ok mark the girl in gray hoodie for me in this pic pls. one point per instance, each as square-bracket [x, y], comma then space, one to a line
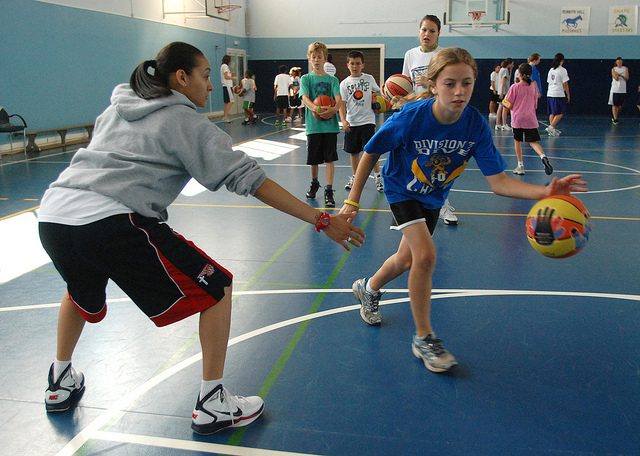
[104, 218]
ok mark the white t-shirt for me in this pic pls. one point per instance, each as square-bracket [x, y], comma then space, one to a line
[493, 81]
[282, 82]
[356, 92]
[619, 86]
[555, 79]
[502, 85]
[249, 85]
[224, 68]
[330, 68]
[416, 63]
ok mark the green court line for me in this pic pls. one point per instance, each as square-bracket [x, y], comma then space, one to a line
[280, 364]
[254, 278]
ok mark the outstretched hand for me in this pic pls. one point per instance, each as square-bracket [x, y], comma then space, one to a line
[566, 185]
[344, 232]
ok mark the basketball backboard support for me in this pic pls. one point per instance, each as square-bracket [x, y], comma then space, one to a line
[496, 13]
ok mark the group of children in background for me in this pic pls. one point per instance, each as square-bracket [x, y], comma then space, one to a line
[519, 99]
[286, 95]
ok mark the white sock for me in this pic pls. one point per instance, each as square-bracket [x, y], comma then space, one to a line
[368, 287]
[207, 386]
[376, 174]
[58, 368]
[542, 156]
[521, 163]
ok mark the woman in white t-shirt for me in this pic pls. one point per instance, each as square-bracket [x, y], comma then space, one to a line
[558, 95]
[617, 95]
[227, 87]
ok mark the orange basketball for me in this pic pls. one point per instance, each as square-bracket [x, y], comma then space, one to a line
[323, 100]
[397, 85]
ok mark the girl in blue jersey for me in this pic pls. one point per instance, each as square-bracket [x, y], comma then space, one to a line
[430, 141]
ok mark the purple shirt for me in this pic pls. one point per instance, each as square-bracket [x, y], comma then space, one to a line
[523, 99]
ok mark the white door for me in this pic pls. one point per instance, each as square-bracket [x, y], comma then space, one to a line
[237, 65]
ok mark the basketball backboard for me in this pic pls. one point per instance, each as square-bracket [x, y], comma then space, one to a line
[457, 13]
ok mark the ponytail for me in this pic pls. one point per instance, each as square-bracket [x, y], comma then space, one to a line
[171, 58]
[525, 71]
[147, 85]
[557, 60]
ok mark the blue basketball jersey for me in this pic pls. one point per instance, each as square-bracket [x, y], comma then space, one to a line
[425, 157]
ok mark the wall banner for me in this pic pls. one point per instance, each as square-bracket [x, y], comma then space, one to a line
[623, 20]
[574, 20]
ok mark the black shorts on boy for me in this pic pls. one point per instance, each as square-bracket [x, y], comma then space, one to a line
[356, 138]
[164, 274]
[282, 101]
[322, 148]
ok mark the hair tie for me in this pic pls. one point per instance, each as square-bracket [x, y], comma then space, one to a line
[151, 64]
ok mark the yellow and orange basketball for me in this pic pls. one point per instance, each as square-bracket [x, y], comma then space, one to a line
[381, 104]
[397, 85]
[558, 226]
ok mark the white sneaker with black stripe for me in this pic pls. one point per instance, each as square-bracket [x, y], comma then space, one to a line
[447, 213]
[65, 391]
[219, 410]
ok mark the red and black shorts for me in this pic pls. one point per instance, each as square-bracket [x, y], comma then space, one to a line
[164, 274]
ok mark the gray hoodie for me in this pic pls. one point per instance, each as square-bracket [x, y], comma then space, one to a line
[143, 153]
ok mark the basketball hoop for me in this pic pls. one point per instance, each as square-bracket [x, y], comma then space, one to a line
[476, 18]
[227, 8]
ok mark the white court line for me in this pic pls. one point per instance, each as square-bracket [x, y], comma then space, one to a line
[93, 429]
[189, 445]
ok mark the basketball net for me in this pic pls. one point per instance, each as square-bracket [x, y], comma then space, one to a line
[227, 8]
[476, 18]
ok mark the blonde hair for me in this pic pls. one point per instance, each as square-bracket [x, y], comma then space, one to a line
[443, 58]
[317, 46]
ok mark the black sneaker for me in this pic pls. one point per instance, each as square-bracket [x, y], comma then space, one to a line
[548, 169]
[65, 391]
[328, 198]
[315, 185]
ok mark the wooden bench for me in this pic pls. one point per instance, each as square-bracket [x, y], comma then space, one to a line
[62, 132]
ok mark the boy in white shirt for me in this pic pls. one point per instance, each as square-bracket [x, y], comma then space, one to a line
[359, 123]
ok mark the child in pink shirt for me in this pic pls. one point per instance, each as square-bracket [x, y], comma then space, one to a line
[522, 101]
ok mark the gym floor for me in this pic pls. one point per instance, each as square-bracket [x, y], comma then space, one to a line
[549, 350]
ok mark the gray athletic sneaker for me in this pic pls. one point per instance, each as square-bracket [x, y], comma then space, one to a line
[369, 302]
[433, 354]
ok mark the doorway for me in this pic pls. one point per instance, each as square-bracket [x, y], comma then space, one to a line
[237, 65]
[373, 58]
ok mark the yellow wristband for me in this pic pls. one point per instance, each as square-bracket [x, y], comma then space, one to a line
[352, 203]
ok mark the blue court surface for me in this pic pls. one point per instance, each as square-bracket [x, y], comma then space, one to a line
[549, 350]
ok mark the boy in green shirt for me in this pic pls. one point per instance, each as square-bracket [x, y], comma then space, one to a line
[321, 121]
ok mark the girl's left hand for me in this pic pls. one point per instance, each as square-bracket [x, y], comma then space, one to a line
[566, 185]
